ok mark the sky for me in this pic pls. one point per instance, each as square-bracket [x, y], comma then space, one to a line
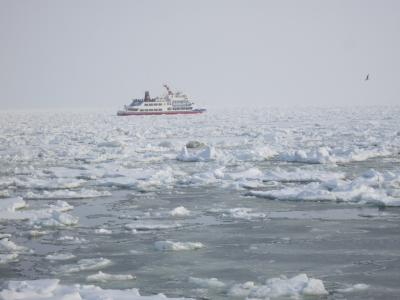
[72, 54]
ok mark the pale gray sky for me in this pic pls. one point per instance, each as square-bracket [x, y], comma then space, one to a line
[91, 54]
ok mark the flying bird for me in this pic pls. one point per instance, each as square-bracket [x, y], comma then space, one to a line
[367, 78]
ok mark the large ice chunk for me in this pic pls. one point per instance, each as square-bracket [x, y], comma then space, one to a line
[280, 287]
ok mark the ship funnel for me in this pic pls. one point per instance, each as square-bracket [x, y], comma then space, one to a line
[146, 96]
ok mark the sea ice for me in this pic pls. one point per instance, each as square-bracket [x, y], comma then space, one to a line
[60, 256]
[210, 283]
[253, 173]
[61, 206]
[301, 175]
[51, 216]
[179, 211]
[67, 194]
[103, 231]
[9, 246]
[4, 193]
[369, 188]
[72, 239]
[147, 226]
[209, 153]
[49, 184]
[51, 289]
[354, 288]
[323, 155]
[177, 246]
[280, 287]
[86, 264]
[36, 233]
[243, 213]
[104, 277]
[10, 205]
[54, 218]
[6, 258]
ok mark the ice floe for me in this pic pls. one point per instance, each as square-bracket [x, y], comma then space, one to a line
[53, 215]
[37, 233]
[86, 264]
[300, 175]
[322, 155]
[49, 183]
[252, 173]
[143, 180]
[51, 289]
[72, 239]
[210, 283]
[9, 206]
[104, 277]
[4, 193]
[366, 189]
[177, 246]
[353, 288]
[67, 194]
[61, 206]
[7, 258]
[150, 225]
[209, 153]
[300, 285]
[243, 213]
[60, 256]
[6, 245]
[54, 218]
[103, 231]
[179, 211]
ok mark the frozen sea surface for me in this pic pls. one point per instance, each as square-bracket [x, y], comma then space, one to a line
[256, 204]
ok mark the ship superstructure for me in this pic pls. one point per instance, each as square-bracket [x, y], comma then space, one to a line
[170, 103]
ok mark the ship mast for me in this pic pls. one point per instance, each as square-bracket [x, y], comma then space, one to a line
[168, 89]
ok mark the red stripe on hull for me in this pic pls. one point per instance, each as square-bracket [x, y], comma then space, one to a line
[125, 113]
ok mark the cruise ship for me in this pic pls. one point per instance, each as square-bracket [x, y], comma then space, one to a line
[169, 104]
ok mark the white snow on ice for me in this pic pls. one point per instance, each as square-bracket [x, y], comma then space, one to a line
[177, 246]
[104, 277]
[51, 289]
[296, 286]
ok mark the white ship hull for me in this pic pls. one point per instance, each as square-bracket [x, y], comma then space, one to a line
[139, 113]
